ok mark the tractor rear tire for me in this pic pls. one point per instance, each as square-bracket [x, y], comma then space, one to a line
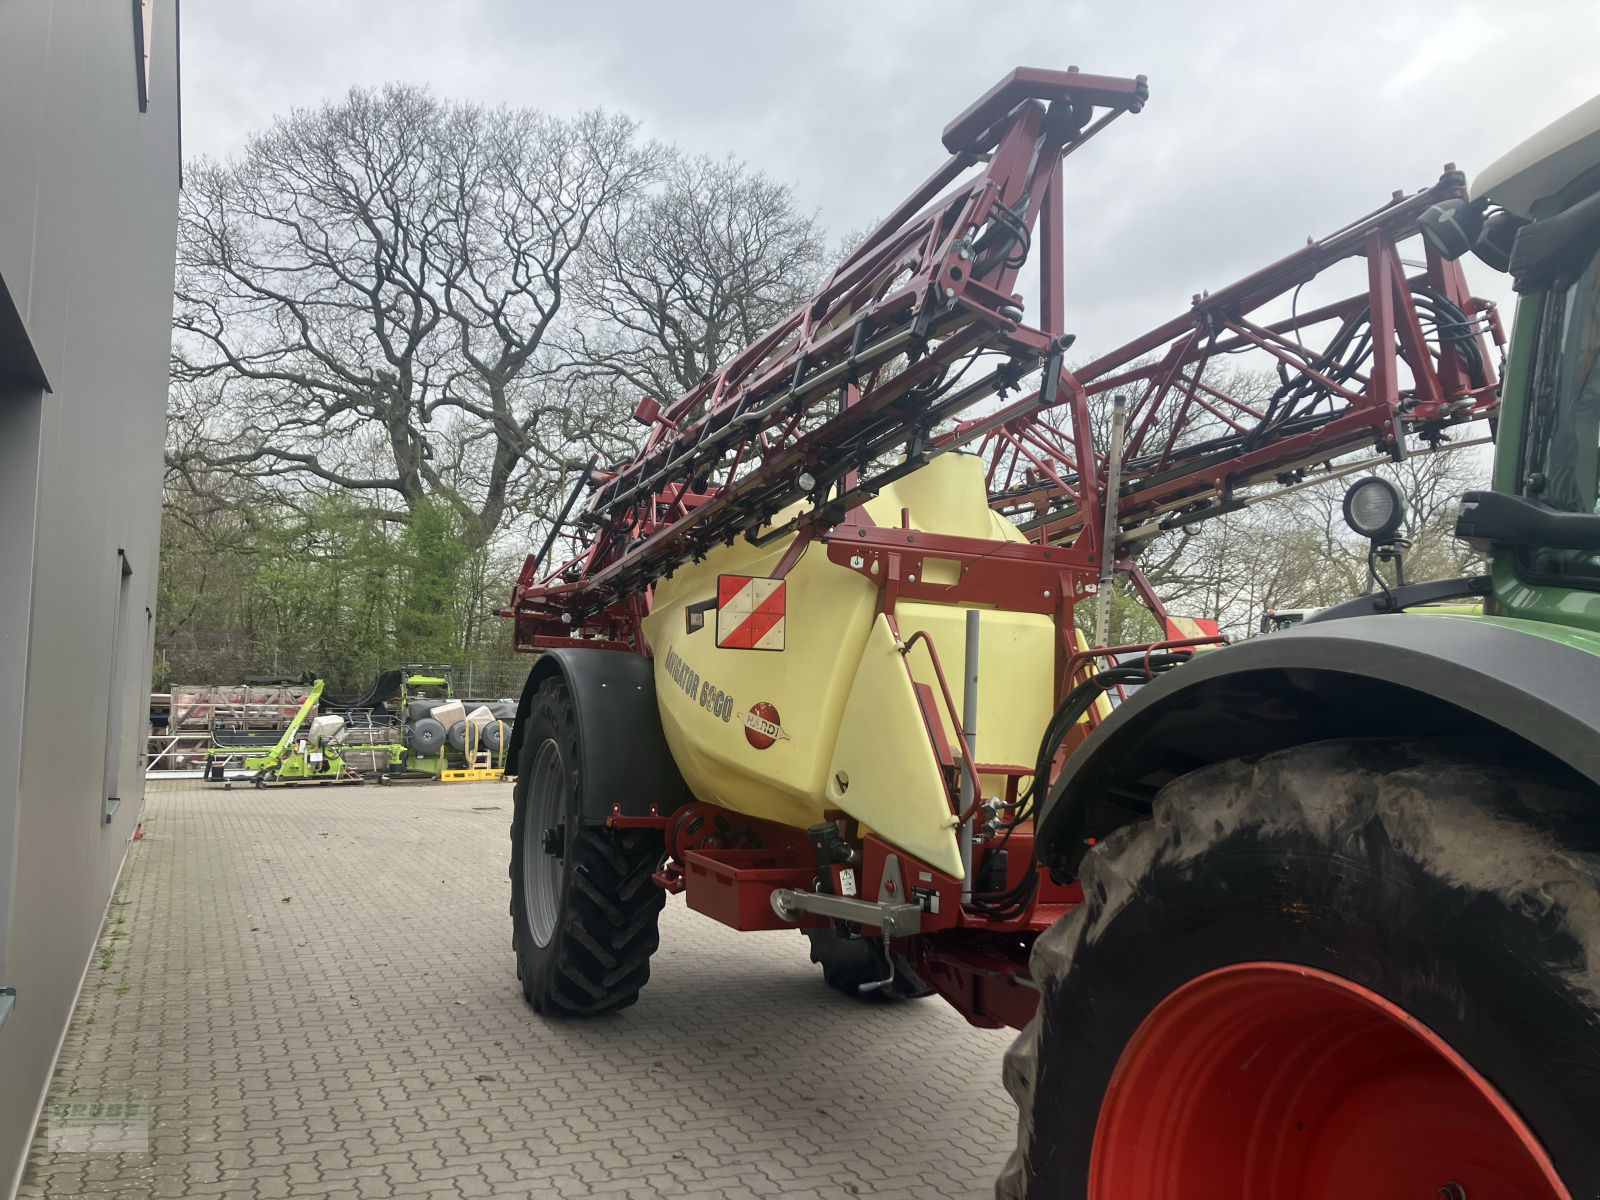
[850, 963]
[583, 906]
[1363, 967]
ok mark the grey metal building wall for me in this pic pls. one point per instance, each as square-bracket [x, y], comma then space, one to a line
[88, 212]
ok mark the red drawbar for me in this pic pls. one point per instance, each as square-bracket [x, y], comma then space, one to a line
[1270, 1081]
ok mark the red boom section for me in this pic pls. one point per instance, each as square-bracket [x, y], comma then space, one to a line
[870, 365]
[915, 346]
[1408, 354]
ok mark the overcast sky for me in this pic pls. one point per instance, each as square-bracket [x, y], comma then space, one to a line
[1267, 122]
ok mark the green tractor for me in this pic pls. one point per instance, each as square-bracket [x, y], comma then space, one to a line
[1340, 933]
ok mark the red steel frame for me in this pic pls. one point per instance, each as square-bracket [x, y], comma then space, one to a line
[812, 398]
[809, 412]
[1413, 384]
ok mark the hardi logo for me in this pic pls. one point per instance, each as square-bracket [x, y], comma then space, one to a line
[761, 726]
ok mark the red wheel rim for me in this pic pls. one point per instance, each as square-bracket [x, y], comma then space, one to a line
[1269, 1081]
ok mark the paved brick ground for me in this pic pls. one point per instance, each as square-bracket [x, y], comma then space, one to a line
[314, 991]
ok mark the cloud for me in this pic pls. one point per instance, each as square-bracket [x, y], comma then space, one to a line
[1268, 122]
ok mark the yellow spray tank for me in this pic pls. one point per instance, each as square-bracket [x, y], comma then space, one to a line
[831, 721]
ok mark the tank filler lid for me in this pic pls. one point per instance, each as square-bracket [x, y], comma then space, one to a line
[1545, 163]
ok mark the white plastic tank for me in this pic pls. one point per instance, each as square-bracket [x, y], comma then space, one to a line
[325, 728]
[449, 712]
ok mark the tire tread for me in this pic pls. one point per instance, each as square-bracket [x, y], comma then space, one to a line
[608, 927]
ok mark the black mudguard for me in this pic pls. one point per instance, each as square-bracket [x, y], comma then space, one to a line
[625, 756]
[1391, 676]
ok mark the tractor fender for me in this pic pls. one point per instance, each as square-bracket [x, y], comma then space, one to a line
[1399, 675]
[625, 756]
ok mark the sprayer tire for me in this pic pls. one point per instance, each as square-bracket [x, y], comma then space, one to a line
[1424, 882]
[584, 922]
[847, 963]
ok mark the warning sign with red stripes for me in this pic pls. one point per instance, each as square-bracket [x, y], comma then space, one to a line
[1179, 628]
[749, 612]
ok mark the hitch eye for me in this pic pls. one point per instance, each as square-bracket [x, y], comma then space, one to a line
[554, 841]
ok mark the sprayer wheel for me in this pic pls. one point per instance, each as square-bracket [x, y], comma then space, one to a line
[583, 906]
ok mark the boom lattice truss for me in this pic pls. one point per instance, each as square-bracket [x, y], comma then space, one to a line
[916, 346]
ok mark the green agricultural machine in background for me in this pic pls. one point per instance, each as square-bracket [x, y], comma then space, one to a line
[408, 724]
[321, 755]
[424, 687]
[444, 738]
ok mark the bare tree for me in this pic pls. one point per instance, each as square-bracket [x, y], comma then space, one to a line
[364, 300]
[684, 275]
[1296, 551]
[1290, 551]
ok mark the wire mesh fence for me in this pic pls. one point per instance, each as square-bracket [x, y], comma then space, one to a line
[478, 678]
[492, 679]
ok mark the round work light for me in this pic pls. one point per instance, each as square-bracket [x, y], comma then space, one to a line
[1374, 508]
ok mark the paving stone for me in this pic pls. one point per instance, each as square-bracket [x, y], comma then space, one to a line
[330, 1044]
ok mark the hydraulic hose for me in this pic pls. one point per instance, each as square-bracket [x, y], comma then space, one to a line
[1013, 901]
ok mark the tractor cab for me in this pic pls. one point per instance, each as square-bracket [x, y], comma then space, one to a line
[1535, 212]
[1275, 619]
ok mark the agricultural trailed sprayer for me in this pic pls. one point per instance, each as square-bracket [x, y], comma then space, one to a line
[1316, 914]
